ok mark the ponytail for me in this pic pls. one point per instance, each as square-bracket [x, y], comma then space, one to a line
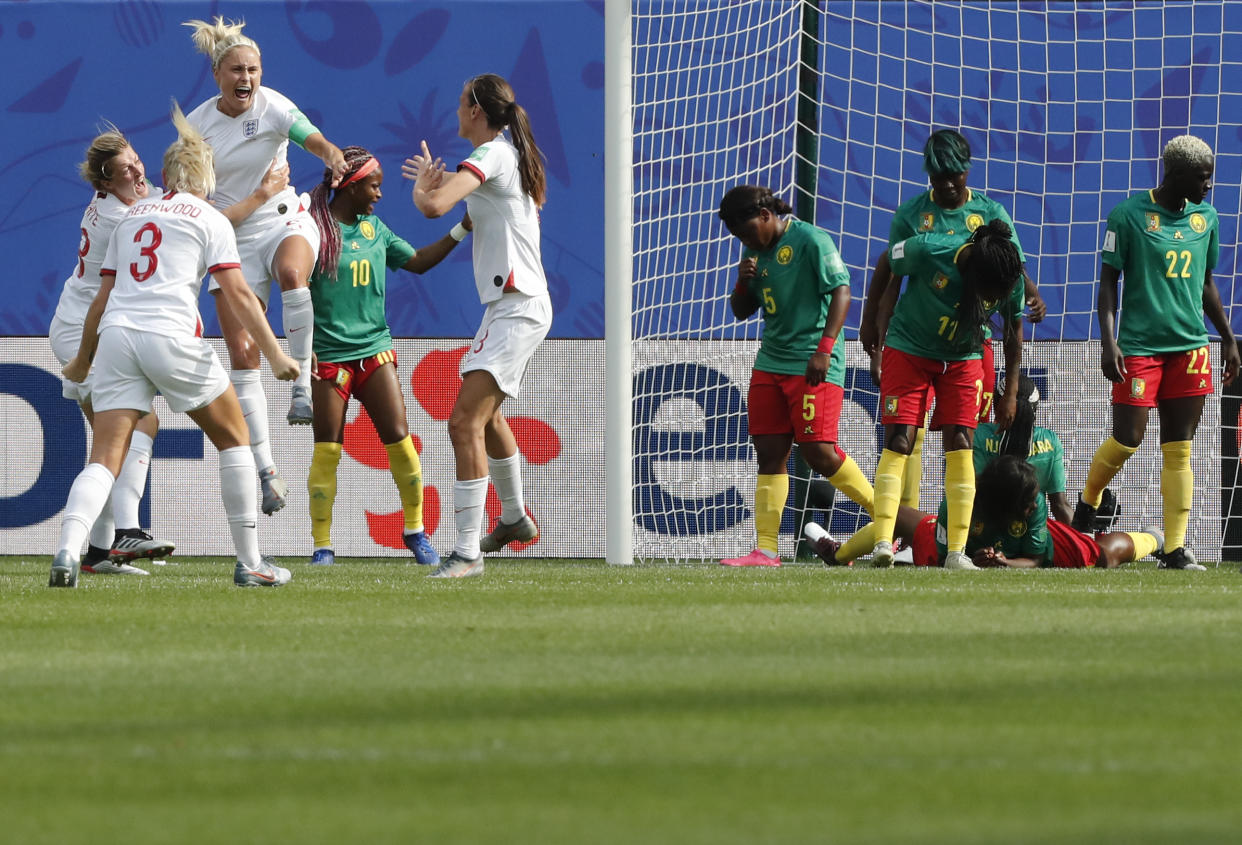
[989, 270]
[1017, 439]
[495, 97]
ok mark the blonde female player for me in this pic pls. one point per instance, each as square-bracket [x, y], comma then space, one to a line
[115, 171]
[143, 331]
[1165, 241]
[249, 128]
[504, 186]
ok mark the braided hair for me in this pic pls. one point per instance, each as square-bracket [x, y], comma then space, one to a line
[329, 232]
[495, 97]
[1005, 489]
[746, 201]
[989, 270]
[1017, 439]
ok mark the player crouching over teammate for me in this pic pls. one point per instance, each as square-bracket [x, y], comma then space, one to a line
[145, 324]
[1009, 527]
[792, 271]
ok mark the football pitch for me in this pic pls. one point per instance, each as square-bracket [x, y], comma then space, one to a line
[572, 702]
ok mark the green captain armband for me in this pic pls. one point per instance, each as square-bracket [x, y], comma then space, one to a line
[301, 129]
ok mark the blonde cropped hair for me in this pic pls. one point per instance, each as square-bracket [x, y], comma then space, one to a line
[106, 146]
[1187, 152]
[215, 40]
[189, 163]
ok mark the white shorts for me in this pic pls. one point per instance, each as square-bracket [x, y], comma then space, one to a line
[513, 327]
[258, 251]
[65, 337]
[130, 366]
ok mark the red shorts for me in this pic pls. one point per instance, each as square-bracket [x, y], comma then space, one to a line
[778, 404]
[904, 390]
[1151, 378]
[348, 377]
[923, 544]
[1072, 549]
[988, 361]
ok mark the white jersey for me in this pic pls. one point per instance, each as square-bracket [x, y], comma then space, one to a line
[159, 253]
[98, 221]
[245, 148]
[506, 224]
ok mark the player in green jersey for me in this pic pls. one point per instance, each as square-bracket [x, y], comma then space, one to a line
[935, 342]
[950, 207]
[792, 274]
[353, 347]
[1165, 243]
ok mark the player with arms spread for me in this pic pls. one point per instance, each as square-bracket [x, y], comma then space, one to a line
[1164, 242]
[792, 274]
[145, 326]
[504, 186]
[353, 345]
[935, 341]
[249, 126]
[116, 172]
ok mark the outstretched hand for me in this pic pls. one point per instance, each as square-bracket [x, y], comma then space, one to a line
[423, 170]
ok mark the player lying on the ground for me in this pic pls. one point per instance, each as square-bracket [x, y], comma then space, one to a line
[1010, 527]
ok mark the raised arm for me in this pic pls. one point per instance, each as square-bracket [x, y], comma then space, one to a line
[435, 191]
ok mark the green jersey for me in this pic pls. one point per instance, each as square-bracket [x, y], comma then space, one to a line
[350, 323]
[793, 283]
[1047, 456]
[920, 214]
[925, 321]
[1020, 538]
[1164, 258]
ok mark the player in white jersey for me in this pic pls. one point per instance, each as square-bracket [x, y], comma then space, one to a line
[504, 186]
[116, 173]
[249, 128]
[144, 333]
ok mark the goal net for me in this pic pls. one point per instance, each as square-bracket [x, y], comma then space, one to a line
[1066, 107]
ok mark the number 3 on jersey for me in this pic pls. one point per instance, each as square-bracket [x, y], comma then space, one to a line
[156, 237]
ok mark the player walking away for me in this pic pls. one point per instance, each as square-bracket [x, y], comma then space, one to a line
[504, 186]
[792, 274]
[1010, 527]
[949, 208]
[353, 346]
[935, 341]
[117, 174]
[249, 127]
[144, 332]
[1165, 242]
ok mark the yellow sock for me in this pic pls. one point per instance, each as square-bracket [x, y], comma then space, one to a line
[1177, 487]
[321, 490]
[407, 471]
[959, 494]
[1107, 462]
[887, 493]
[771, 491]
[912, 478]
[1144, 544]
[850, 481]
[860, 545]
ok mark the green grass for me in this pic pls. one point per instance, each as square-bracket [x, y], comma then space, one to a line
[572, 702]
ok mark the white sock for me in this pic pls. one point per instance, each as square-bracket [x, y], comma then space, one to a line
[127, 491]
[103, 532]
[254, 408]
[469, 499]
[299, 320]
[87, 498]
[237, 472]
[507, 476]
